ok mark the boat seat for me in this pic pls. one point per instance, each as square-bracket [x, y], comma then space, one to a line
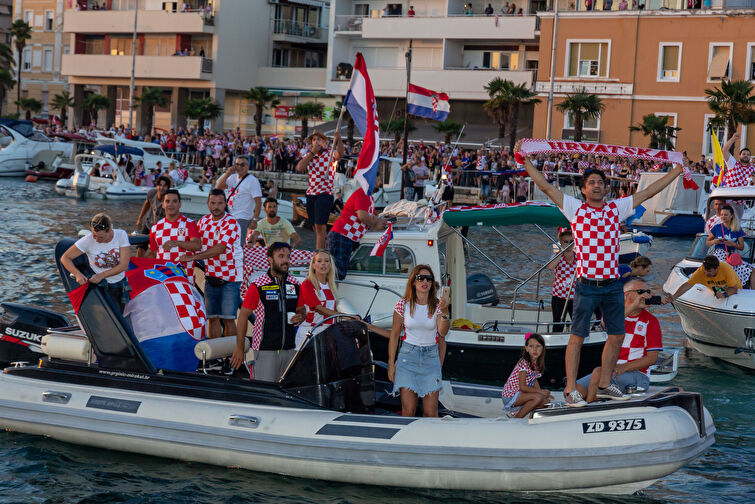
[67, 346]
[220, 348]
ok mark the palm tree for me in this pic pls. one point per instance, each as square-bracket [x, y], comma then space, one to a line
[581, 106]
[349, 121]
[202, 109]
[497, 106]
[63, 101]
[516, 97]
[733, 103]
[29, 105]
[395, 127]
[20, 31]
[658, 129]
[7, 60]
[150, 98]
[93, 103]
[6, 83]
[449, 129]
[304, 112]
[260, 96]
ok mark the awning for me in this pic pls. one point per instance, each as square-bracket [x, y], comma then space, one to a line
[719, 64]
[502, 214]
[116, 150]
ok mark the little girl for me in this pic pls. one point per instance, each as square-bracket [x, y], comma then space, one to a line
[522, 390]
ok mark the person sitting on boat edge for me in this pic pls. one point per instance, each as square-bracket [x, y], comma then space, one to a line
[639, 267]
[639, 350]
[358, 214]
[109, 252]
[273, 298]
[562, 295]
[416, 373]
[522, 393]
[596, 228]
[717, 275]
[727, 238]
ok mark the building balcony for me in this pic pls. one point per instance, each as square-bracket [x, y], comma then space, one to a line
[148, 21]
[147, 67]
[451, 27]
[460, 84]
[292, 78]
[292, 31]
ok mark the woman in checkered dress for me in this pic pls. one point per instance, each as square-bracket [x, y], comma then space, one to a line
[727, 238]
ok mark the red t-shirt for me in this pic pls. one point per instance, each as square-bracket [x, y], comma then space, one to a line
[181, 229]
[642, 335]
[348, 224]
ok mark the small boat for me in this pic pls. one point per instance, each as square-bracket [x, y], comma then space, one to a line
[98, 175]
[673, 211]
[54, 164]
[194, 201]
[327, 418]
[20, 142]
[151, 152]
[720, 328]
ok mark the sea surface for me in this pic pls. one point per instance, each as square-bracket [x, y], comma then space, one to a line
[39, 470]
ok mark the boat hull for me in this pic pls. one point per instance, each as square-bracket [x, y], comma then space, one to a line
[59, 173]
[675, 225]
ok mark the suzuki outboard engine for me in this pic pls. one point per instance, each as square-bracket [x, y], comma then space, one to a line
[80, 183]
[334, 369]
[21, 331]
[481, 290]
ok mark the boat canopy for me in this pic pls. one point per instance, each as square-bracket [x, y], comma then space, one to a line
[26, 128]
[506, 214]
[115, 150]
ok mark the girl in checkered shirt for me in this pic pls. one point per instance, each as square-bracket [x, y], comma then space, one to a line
[522, 392]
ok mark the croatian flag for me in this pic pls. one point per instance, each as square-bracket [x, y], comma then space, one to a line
[379, 248]
[360, 102]
[427, 103]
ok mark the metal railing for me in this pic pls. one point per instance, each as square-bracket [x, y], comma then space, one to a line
[206, 65]
[348, 23]
[297, 29]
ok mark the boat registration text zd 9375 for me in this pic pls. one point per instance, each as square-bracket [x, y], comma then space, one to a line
[613, 425]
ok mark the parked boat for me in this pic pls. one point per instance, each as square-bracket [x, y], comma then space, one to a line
[55, 164]
[721, 328]
[20, 142]
[324, 419]
[151, 152]
[673, 211]
[194, 201]
[99, 176]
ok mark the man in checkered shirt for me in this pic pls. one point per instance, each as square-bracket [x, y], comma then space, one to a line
[596, 227]
[738, 173]
[221, 250]
[171, 237]
[320, 190]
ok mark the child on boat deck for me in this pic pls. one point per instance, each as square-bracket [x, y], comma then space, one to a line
[522, 390]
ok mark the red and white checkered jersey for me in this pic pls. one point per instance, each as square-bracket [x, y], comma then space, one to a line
[311, 299]
[320, 177]
[181, 229]
[252, 302]
[420, 329]
[255, 261]
[711, 222]
[348, 224]
[229, 264]
[564, 275]
[512, 384]
[642, 335]
[596, 235]
[737, 174]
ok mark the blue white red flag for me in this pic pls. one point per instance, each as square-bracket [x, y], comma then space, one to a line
[427, 103]
[382, 243]
[360, 102]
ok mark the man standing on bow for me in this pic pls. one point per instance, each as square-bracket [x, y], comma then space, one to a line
[738, 173]
[244, 194]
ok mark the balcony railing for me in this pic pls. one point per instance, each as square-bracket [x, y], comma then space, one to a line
[297, 29]
[351, 23]
[206, 65]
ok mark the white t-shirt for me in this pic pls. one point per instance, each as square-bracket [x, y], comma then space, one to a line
[241, 201]
[419, 329]
[104, 256]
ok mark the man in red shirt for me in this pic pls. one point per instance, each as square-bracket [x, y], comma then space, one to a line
[171, 237]
[639, 350]
[738, 173]
[358, 214]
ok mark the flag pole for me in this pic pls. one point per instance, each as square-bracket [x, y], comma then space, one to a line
[408, 57]
[442, 184]
[338, 123]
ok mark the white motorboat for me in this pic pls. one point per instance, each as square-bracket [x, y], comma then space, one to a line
[54, 164]
[194, 201]
[673, 211]
[20, 143]
[326, 418]
[721, 328]
[151, 152]
[99, 176]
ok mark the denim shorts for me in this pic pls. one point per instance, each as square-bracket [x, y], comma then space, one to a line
[636, 379]
[508, 402]
[418, 369]
[222, 302]
[610, 300]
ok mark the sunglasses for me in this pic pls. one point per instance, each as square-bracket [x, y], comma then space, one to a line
[424, 278]
[99, 226]
[239, 164]
[641, 291]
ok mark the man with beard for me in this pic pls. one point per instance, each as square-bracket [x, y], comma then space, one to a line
[272, 298]
[174, 235]
[221, 251]
[275, 228]
[737, 172]
[152, 210]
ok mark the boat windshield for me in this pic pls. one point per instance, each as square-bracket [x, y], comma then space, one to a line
[154, 151]
[699, 249]
[6, 137]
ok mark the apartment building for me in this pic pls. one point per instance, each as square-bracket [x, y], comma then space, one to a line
[41, 58]
[6, 19]
[453, 50]
[193, 49]
[655, 61]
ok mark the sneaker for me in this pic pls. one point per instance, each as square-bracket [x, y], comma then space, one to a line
[611, 392]
[574, 399]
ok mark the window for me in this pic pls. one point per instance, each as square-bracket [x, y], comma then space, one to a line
[588, 59]
[671, 122]
[49, 20]
[589, 124]
[36, 59]
[750, 64]
[363, 262]
[29, 17]
[707, 140]
[45, 101]
[47, 60]
[120, 46]
[27, 58]
[669, 61]
[362, 9]
[397, 260]
[719, 62]
[379, 57]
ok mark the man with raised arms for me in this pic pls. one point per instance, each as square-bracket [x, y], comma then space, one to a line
[595, 225]
[738, 173]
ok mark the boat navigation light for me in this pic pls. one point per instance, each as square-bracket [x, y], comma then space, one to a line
[430, 243]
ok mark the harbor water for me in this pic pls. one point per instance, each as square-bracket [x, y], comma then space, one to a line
[38, 470]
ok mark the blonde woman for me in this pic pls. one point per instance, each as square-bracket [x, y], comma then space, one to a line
[727, 237]
[417, 371]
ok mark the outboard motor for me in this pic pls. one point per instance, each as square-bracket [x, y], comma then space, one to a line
[481, 290]
[334, 369]
[21, 331]
[81, 183]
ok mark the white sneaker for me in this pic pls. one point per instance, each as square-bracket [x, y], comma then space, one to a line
[574, 399]
[612, 392]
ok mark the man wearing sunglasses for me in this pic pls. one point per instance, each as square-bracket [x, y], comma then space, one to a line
[639, 350]
[244, 195]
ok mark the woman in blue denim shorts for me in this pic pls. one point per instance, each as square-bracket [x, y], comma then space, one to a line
[424, 318]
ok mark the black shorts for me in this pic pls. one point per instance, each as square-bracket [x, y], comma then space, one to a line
[145, 231]
[318, 208]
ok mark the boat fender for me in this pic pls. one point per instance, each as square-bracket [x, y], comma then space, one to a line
[643, 238]
[66, 347]
[217, 348]
[31, 178]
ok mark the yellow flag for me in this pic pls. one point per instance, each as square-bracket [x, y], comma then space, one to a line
[718, 159]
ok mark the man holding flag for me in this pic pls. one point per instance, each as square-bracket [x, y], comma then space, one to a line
[359, 211]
